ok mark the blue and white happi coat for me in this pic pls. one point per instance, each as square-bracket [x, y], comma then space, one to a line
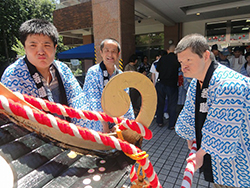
[226, 131]
[93, 89]
[18, 79]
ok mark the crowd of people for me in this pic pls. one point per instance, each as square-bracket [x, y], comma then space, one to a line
[170, 85]
[215, 102]
[236, 58]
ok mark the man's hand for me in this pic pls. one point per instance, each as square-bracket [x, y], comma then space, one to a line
[190, 143]
[197, 158]
[105, 127]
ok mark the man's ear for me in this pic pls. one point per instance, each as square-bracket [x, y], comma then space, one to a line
[206, 55]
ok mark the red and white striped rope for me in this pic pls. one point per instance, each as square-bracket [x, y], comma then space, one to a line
[189, 171]
[69, 128]
[80, 114]
[133, 175]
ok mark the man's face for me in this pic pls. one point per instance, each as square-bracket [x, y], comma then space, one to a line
[109, 53]
[222, 57]
[40, 51]
[248, 59]
[237, 54]
[192, 65]
[216, 52]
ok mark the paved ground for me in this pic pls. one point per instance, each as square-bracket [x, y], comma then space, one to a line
[167, 152]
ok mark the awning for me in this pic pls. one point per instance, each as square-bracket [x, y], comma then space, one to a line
[81, 52]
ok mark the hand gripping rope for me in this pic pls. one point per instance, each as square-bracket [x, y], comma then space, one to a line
[189, 171]
[65, 127]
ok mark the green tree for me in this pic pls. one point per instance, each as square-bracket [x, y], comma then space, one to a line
[9, 23]
[18, 48]
[60, 46]
[38, 9]
[13, 13]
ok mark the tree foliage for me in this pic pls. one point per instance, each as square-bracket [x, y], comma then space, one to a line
[150, 39]
[13, 13]
[60, 46]
[18, 48]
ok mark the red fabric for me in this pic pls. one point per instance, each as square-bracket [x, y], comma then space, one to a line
[180, 80]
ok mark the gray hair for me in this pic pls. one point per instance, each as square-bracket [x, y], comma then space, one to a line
[110, 39]
[196, 42]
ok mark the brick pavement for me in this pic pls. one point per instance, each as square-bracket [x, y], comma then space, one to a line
[167, 152]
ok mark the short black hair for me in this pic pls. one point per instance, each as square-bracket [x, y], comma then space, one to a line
[38, 26]
[247, 54]
[133, 58]
[214, 47]
[237, 48]
[143, 57]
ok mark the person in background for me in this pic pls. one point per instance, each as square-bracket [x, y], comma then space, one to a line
[144, 67]
[237, 60]
[215, 51]
[131, 66]
[223, 57]
[157, 57]
[245, 69]
[133, 93]
[215, 115]
[247, 49]
[183, 84]
[97, 78]
[38, 74]
[167, 67]
[153, 71]
[230, 52]
[155, 75]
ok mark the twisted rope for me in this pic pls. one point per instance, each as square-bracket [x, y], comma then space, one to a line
[80, 114]
[189, 170]
[69, 128]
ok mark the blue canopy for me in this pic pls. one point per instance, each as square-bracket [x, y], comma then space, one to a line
[81, 52]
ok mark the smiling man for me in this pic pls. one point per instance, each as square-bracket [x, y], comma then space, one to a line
[37, 73]
[216, 115]
[96, 79]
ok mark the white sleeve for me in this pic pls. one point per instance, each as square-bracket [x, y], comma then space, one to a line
[152, 69]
